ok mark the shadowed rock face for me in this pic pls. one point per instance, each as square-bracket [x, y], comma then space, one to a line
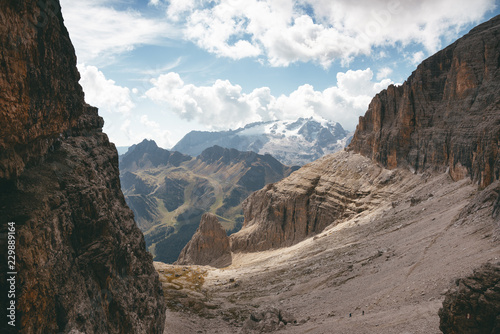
[36, 58]
[208, 246]
[473, 304]
[446, 114]
[81, 260]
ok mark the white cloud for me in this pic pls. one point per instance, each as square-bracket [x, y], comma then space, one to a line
[287, 31]
[99, 32]
[417, 57]
[383, 73]
[223, 105]
[150, 124]
[104, 93]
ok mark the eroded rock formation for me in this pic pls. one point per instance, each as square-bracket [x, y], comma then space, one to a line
[81, 260]
[472, 305]
[328, 190]
[446, 114]
[208, 246]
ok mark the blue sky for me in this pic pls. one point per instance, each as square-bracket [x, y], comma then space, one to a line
[158, 69]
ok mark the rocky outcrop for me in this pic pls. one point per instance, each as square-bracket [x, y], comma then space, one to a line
[208, 246]
[472, 305]
[81, 262]
[319, 194]
[446, 114]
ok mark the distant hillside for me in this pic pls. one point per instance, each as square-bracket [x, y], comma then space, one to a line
[169, 191]
[291, 142]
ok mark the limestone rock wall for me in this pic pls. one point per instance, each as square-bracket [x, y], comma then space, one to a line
[445, 115]
[324, 192]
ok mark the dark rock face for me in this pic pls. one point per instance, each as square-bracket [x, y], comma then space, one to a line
[208, 246]
[473, 304]
[33, 115]
[81, 260]
[446, 115]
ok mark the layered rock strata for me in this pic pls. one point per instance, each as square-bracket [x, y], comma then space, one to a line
[81, 260]
[208, 246]
[446, 115]
[330, 190]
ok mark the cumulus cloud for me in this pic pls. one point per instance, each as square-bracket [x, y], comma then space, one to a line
[383, 73]
[99, 32]
[287, 31]
[154, 131]
[223, 105]
[104, 93]
[417, 57]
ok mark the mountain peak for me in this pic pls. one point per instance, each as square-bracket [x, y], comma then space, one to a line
[147, 154]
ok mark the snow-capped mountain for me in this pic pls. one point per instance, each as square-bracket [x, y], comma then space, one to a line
[291, 142]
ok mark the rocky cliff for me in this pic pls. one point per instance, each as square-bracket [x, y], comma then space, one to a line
[446, 114]
[81, 260]
[472, 305]
[208, 246]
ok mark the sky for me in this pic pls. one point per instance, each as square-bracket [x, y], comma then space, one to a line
[158, 69]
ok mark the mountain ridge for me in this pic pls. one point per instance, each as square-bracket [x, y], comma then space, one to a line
[291, 142]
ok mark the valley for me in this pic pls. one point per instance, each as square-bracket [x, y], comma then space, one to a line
[393, 261]
[169, 191]
[396, 233]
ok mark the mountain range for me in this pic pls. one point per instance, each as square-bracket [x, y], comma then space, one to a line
[399, 233]
[291, 142]
[169, 191]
